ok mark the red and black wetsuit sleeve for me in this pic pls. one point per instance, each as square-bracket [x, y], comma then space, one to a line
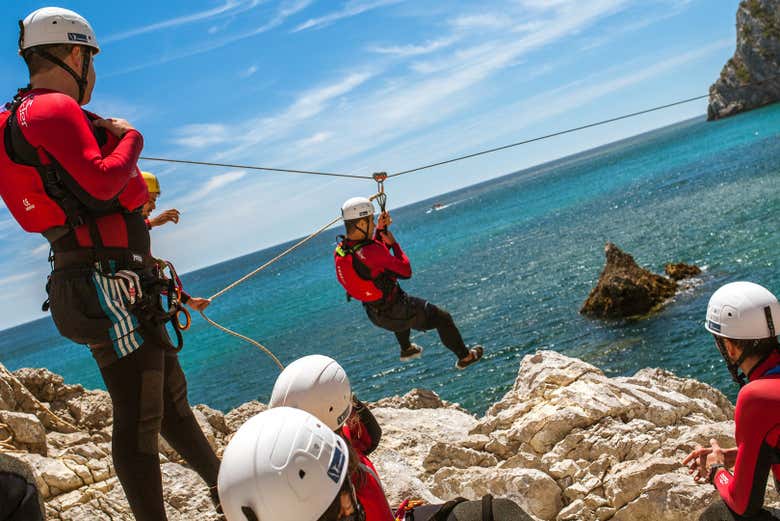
[378, 258]
[365, 432]
[55, 123]
[757, 433]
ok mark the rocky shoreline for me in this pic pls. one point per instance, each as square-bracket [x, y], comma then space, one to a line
[566, 442]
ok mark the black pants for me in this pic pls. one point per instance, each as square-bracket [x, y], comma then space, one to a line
[719, 511]
[149, 395]
[18, 499]
[405, 313]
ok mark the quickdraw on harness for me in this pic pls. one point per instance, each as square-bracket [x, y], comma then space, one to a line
[405, 507]
[174, 294]
[140, 290]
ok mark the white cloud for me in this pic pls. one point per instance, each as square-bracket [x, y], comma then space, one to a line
[316, 139]
[250, 71]
[212, 185]
[413, 50]
[350, 9]
[277, 127]
[229, 7]
[12, 279]
[40, 250]
[202, 135]
[107, 107]
[481, 21]
[287, 8]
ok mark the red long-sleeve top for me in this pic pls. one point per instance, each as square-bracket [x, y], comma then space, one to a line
[379, 259]
[757, 433]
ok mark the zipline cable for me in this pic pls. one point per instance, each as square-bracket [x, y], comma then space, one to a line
[547, 136]
[461, 158]
[576, 129]
[250, 167]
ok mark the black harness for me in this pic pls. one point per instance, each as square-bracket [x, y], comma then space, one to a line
[383, 281]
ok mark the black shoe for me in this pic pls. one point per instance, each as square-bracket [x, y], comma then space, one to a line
[475, 353]
[411, 352]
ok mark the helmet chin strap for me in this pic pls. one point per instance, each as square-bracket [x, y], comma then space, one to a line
[364, 231]
[82, 80]
[733, 367]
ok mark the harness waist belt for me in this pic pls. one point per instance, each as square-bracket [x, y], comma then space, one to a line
[86, 258]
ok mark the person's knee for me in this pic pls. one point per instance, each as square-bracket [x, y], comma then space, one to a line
[439, 317]
[176, 392]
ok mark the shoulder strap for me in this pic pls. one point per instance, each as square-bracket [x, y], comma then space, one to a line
[487, 507]
[446, 509]
[17, 147]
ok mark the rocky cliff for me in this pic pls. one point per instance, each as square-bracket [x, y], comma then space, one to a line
[751, 78]
[566, 442]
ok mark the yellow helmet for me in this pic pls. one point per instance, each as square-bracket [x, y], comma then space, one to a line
[151, 182]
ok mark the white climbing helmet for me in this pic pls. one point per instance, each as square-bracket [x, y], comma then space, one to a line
[55, 25]
[357, 208]
[743, 311]
[318, 385]
[282, 465]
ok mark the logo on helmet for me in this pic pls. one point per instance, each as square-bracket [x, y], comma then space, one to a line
[714, 326]
[343, 415]
[336, 464]
[78, 37]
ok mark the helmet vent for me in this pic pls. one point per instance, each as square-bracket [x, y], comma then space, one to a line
[330, 409]
[301, 473]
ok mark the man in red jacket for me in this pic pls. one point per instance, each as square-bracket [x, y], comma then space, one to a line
[743, 317]
[72, 176]
[369, 272]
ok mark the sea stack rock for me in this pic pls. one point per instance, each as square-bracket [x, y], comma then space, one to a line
[625, 289]
[681, 271]
[751, 78]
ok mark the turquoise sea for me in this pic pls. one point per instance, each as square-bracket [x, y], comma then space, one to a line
[512, 259]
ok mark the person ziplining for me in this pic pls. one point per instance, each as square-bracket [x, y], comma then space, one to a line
[369, 261]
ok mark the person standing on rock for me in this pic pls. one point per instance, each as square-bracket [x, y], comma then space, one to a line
[369, 273]
[744, 317]
[319, 385]
[72, 176]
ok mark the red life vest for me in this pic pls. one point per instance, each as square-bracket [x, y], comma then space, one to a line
[40, 194]
[356, 277]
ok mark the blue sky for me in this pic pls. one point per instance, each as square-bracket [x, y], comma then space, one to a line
[357, 86]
